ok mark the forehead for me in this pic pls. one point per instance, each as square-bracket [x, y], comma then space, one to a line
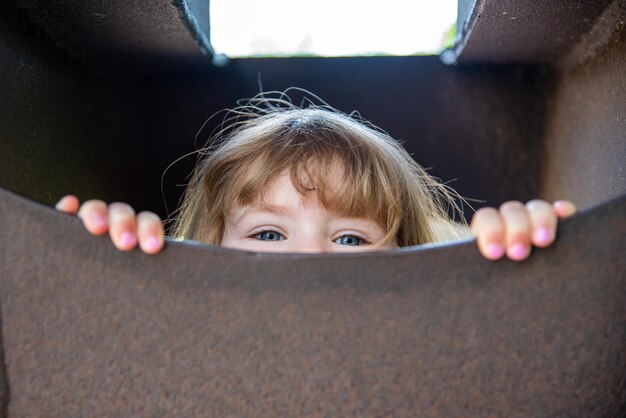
[282, 199]
[281, 191]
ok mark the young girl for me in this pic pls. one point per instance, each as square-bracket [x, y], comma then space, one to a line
[288, 179]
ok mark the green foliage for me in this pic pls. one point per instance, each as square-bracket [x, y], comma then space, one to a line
[449, 37]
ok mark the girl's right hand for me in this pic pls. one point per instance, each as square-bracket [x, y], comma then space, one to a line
[125, 228]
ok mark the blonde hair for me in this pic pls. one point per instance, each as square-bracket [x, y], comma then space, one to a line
[352, 166]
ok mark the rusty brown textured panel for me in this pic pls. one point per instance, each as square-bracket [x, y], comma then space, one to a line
[584, 145]
[116, 35]
[497, 31]
[4, 388]
[200, 331]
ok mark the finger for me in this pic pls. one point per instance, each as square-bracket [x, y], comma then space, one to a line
[150, 232]
[518, 230]
[95, 214]
[564, 208]
[68, 204]
[488, 228]
[543, 222]
[123, 226]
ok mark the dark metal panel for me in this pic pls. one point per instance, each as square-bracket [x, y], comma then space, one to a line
[584, 144]
[199, 331]
[117, 35]
[522, 31]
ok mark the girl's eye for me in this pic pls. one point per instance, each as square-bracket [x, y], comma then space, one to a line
[348, 240]
[269, 236]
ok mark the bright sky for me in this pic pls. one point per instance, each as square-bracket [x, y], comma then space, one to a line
[330, 27]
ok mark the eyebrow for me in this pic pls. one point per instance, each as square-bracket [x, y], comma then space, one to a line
[264, 207]
[268, 207]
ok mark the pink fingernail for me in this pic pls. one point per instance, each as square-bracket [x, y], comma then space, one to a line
[494, 251]
[127, 239]
[542, 235]
[152, 243]
[99, 221]
[518, 252]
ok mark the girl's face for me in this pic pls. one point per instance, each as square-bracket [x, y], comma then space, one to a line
[287, 221]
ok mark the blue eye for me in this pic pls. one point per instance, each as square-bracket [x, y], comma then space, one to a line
[269, 236]
[348, 240]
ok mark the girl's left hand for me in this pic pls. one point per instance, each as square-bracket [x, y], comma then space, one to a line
[515, 227]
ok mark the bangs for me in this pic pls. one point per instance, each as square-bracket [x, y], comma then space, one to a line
[347, 177]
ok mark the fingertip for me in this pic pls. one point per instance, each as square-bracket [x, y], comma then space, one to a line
[151, 245]
[96, 223]
[542, 236]
[150, 232]
[518, 252]
[126, 242]
[564, 208]
[488, 228]
[493, 251]
[68, 204]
